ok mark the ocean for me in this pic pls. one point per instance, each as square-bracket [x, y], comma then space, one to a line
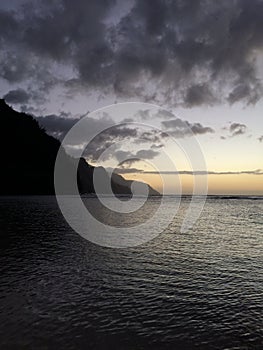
[201, 289]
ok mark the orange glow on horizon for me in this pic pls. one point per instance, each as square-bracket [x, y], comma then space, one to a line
[217, 184]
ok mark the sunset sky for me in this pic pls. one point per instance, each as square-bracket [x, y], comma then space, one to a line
[200, 62]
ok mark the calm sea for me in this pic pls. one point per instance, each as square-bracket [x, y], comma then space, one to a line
[197, 290]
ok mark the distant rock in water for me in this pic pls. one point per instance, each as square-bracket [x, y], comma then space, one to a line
[28, 156]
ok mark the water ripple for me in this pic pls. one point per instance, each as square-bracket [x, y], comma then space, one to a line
[199, 290]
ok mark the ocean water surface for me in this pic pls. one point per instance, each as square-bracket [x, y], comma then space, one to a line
[197, 290]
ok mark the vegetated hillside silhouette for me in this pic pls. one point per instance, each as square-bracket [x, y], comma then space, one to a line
[28, 156]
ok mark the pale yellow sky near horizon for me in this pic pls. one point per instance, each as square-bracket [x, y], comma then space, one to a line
[242, 184]
[221, 150]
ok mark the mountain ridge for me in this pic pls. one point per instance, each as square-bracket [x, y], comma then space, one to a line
[29, 155]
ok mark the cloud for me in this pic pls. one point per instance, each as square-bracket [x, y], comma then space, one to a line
[17, 96]
[237, 129]
[152, 136]
[145, 114]
[199, 94]
[8, 25]
[16, 65]
[188, 53]
[123, 170]
[180, 128]
[188, 172]
[243, 91]
[121, 155]
[112, 139]
[146, 154]
[127, 158]
[234, 129]
[260, 138]
[56, 125]
[157, 146]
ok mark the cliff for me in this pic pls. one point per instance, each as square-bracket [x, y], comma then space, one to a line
[28, 156]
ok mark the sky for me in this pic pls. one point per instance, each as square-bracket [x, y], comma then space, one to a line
[199, 63]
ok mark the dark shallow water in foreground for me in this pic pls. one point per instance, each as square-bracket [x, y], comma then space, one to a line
[198, 290]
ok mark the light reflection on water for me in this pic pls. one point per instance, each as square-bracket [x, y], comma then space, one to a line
[198, 290]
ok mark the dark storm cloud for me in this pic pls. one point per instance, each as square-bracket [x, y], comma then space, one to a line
[199, 94]
[61, 124]
[8, 25]
[195, 44]
[15, 67]
[239, 92]
[17, 96]
[57, 125]
[178, 52]
[180, 128]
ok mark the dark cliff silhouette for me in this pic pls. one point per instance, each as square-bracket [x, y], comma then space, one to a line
[28, 156]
